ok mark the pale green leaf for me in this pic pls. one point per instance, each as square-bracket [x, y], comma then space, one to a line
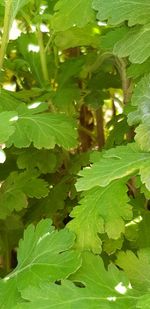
[135, 44]
[143, 134]
[44, 130]
[17, 5]
[99, 212]
[135, 11]
[141, 94]
[137, 268]
[7, 127]
[145, 175]
[114, 164]
[110, 246]
[71, 13]
[141, 101]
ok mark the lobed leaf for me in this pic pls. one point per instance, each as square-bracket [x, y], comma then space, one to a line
[44, 130]
[15, 190]
[71, 13]
[99, 212]
[116, 163]
[135, 44]
[99, 289]
[43, 256]
[116, 12]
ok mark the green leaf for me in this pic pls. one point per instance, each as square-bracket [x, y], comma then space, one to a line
[112, 37]
[110, 246]
[43, 255]
[9, 295]
[65, 97]
[99, 289]
[28, 46]
[99, 212]
[135, 11]
[137, 268]
[44, 130]
[143, 134]
[143, 239]
[6, 125]
[137, 70]
[43, 159]
[49, 206]
[135, 44]
[141, 101]
[8, 102]
[76, 12]
[141, 95]
[17, 6]
[85, 36]
[16, 188]
[114, 164]
[144, 302]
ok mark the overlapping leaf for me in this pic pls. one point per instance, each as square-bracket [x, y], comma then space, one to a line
[43, 159]
[135, 44]
[114, 164]
[8, 102]
[135, 11]
[6, 126]
[143, 134]
[43, 256]
[99, 289]
[15, 190]
[141, 114]
[71, 13]
[137, 267]
[85, 36]
[99, 212]
[44, 130]
[9, 295]
[17, 5]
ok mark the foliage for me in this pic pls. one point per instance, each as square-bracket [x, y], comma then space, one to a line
[74, 154]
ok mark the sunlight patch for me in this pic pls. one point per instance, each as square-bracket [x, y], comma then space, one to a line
[121, 288]
[34, 105]
[111, 298]
[15, 118]
[34, 48]
[2, 156]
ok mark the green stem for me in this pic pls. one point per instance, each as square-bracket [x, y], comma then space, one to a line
[88, 132]
[6, 28]
[42, 54]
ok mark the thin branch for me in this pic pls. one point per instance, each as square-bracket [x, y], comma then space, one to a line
[6, 28]
[42, 54]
